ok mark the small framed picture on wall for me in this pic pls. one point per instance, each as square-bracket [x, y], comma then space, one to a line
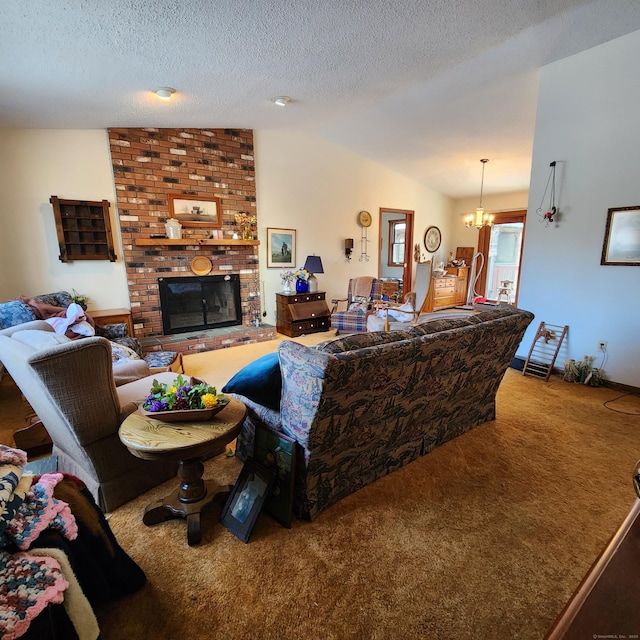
[281, 248]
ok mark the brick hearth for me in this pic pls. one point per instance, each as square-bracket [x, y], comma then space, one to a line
[148, 165]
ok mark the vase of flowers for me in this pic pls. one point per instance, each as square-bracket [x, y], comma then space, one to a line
[302, 280]
[245, 224]
[286, 278]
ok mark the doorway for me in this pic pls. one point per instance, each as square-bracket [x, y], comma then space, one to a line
[395, 249]
[501, 245]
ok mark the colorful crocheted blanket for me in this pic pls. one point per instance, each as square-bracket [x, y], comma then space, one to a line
[28, 582]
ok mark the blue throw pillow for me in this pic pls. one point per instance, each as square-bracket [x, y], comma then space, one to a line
[260, 381]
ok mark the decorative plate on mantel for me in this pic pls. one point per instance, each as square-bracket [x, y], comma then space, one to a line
[201, 266]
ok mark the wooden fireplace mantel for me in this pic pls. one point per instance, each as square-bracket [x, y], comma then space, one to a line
[150, 242]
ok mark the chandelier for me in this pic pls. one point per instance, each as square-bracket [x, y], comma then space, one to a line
[479, 219]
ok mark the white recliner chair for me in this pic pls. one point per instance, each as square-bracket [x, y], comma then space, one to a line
[71, 386]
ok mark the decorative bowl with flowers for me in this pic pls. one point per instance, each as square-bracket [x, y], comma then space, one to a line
[183, 400]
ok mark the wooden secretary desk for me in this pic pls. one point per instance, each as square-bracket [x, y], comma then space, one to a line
[300, 313]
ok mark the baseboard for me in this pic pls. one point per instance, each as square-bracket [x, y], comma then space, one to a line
[518, 364]
[618, 386]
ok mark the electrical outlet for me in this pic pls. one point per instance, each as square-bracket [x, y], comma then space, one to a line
[602, 345]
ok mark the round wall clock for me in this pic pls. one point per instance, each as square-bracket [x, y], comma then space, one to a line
[364, 219]
[432, 239]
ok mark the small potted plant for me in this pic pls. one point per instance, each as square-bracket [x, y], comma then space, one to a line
[80, 299]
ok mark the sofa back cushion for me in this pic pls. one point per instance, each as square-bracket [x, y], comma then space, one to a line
[15, 312]
[486, 312]
[37, 339]
[57, 299]
[343, 399]
[438, 324]
[350, 342]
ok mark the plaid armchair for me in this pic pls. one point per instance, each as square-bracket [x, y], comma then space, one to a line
[360, 301]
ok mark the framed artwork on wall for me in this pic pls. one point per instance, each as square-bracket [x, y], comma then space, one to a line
[432, 239]
[195, 211]
[281, 248]
[622, 237]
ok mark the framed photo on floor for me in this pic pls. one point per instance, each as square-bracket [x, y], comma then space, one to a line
[277, 451]
[245, 501]
[281, 248]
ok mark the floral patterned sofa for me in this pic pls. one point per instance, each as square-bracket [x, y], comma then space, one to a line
[15, 312]
[364, 405]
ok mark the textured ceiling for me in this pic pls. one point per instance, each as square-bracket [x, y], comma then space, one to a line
[426, 87]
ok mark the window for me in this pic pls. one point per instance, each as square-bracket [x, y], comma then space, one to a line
[397, 231]
[501, 245]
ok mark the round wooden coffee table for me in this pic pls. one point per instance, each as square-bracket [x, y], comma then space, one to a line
[188, 443]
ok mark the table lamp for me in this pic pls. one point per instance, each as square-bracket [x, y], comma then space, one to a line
[313, 265]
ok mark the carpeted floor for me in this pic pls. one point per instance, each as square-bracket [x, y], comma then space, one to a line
[485, 537]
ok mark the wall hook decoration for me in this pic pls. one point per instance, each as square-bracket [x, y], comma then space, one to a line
[548, 215]
[364, 220]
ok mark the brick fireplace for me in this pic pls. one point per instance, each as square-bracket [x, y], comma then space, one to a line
[150, 164]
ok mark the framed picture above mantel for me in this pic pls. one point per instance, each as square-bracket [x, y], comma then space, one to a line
[622, 237]
[195, 211]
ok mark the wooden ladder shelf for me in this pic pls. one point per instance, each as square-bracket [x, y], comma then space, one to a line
[544, 350]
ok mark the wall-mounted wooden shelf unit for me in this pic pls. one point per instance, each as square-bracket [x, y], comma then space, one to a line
[84, 229]
[154, 242]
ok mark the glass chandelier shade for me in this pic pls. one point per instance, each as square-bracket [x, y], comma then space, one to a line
[480, 218]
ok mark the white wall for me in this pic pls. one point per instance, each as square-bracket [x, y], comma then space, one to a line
[34, 165]
[303, 183]
[588, 122]
[462, 236]
[317, 188]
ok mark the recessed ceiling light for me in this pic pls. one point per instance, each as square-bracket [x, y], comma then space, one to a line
[165, 93]
[281, 101]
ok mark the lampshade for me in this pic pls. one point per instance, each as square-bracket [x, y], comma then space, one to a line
[314, 264]
[479, 219]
